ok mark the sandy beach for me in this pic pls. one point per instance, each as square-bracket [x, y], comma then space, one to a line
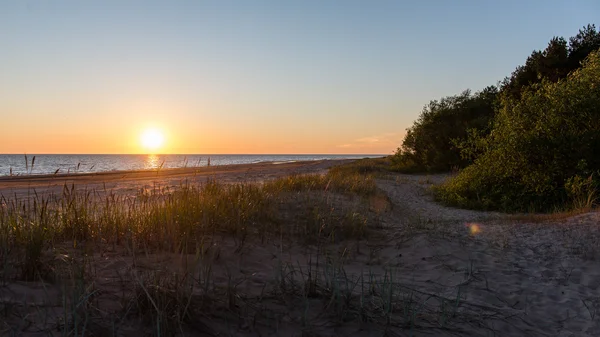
[421, 269]
[126, 182]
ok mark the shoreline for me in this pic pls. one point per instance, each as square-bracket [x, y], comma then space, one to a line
[134, 179]
[12, 165]
[102, 173]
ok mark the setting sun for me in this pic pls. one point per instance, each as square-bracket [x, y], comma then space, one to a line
[152, 139]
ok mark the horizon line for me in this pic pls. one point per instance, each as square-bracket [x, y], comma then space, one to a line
[197, 154]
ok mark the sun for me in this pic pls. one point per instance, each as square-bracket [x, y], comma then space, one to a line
[152, 139]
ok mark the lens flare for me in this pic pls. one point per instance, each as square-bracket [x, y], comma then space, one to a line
[474, 228]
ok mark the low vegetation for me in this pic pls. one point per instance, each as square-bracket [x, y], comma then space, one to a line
[177, 220]
[86, 251]
[295, 255]
[316, 255]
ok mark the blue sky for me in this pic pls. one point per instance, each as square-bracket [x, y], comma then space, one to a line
[253, 76]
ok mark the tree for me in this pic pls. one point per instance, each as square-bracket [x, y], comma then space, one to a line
[550, 64]
[431, 143]
[582, 44]
[541, 150]
[452, 132]
[553, 63]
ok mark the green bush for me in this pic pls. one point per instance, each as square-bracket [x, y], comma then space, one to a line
[540, 143]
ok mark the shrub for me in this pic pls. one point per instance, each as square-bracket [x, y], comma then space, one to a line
[539, 146]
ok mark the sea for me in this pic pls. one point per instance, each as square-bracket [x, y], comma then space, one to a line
[33, 164]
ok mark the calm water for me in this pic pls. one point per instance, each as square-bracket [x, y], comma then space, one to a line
[45, 164]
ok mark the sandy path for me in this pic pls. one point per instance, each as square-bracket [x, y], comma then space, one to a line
[410, 193]
[129, 182]
[513, 279]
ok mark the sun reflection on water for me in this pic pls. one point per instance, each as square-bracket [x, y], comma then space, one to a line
[152, 162]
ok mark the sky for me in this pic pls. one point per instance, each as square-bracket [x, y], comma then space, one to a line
[235, 77]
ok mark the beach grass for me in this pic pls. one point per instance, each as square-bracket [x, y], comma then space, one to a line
[62, 242]
[303, 254]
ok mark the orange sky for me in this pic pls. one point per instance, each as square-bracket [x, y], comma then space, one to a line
[117, 129]
[127, 140]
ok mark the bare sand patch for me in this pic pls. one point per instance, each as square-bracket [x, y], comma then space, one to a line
[416, 268]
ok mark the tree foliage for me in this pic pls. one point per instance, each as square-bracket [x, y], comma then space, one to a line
[431, 144]
[543, 149]
[452, 132]
[553, 63]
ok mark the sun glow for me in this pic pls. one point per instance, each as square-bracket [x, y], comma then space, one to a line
[152, 139]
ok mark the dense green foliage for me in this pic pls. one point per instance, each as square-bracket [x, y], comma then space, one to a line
[543, 151]
[451, 132]
[531, 143]
[431, 144]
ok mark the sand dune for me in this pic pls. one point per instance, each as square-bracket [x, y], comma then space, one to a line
[449, 272]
